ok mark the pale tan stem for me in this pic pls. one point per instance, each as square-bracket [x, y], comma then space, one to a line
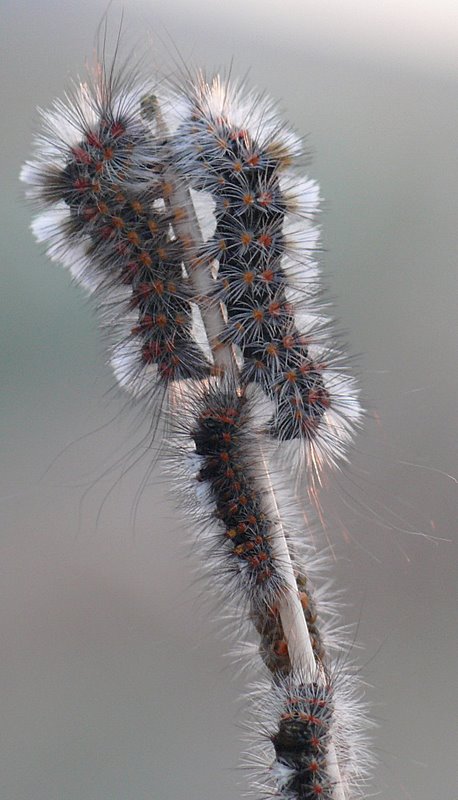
[186, 226]
[334, 773]
[290, 608]
[187, 229]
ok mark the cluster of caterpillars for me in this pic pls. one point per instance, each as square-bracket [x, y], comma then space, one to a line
[103, 174]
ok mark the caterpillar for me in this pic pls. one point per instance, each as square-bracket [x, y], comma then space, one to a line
[311, 726]
[181, 213]
[232, 148]
[101, 173]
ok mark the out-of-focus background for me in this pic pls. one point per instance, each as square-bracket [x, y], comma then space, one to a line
[114, 682]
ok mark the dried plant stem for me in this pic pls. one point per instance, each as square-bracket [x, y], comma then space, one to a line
[199, 273]
[289, 605]
[290, 609]
[186, 225]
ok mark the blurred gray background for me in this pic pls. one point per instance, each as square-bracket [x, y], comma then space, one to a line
[114, 682]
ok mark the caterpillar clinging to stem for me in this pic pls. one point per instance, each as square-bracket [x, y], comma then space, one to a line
[182, 212]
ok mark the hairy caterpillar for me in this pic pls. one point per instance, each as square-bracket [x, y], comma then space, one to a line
[182, 217]
[301, 719]
[232, 147]
[100, 171]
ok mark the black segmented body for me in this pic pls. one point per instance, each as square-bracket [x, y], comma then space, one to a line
[218, 437]
[302, 740]
[249, 244]
[129, 241]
